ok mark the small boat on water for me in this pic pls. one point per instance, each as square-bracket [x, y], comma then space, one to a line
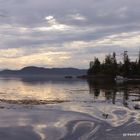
[120, 79]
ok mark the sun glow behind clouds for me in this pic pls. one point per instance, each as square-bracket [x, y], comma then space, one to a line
[11, 53]
[49, 18]
[53, 25]
[47, 59]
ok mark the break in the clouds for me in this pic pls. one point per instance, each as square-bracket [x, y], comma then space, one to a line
[66, 33]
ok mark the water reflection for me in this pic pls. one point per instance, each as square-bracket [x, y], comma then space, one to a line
[46, 89]
[60, 89]
[94, 111]
[126, 94]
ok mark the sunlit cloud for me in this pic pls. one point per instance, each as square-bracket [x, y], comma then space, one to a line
[53, 25]
[77, 17]
[11, 53]
[127, 40]
[50, 59]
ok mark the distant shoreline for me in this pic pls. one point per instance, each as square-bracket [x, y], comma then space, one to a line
[41, 71]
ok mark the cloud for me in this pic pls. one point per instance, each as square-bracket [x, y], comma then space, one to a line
[77, 16]
[72, 31]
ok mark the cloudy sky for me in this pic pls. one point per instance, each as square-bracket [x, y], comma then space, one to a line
[66, 33]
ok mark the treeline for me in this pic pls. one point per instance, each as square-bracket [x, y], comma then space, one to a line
[110, 66]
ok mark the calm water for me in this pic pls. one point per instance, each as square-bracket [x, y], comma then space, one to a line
[70, 109]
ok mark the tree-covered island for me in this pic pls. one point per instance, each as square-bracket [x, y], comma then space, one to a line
[110, 66]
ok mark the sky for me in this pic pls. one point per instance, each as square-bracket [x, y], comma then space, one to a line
[66, 33]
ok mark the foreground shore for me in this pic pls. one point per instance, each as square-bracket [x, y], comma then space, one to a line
[56, 122]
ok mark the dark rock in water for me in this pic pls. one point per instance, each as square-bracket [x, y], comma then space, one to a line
[82, 77]
[68, 77]
[105, 115]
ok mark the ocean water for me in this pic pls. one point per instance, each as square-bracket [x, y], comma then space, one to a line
[68, 109]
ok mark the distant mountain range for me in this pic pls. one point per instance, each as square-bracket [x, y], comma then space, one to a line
[32, 70]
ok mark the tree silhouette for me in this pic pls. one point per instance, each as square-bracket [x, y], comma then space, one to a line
[112, 68]
[95, 69]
